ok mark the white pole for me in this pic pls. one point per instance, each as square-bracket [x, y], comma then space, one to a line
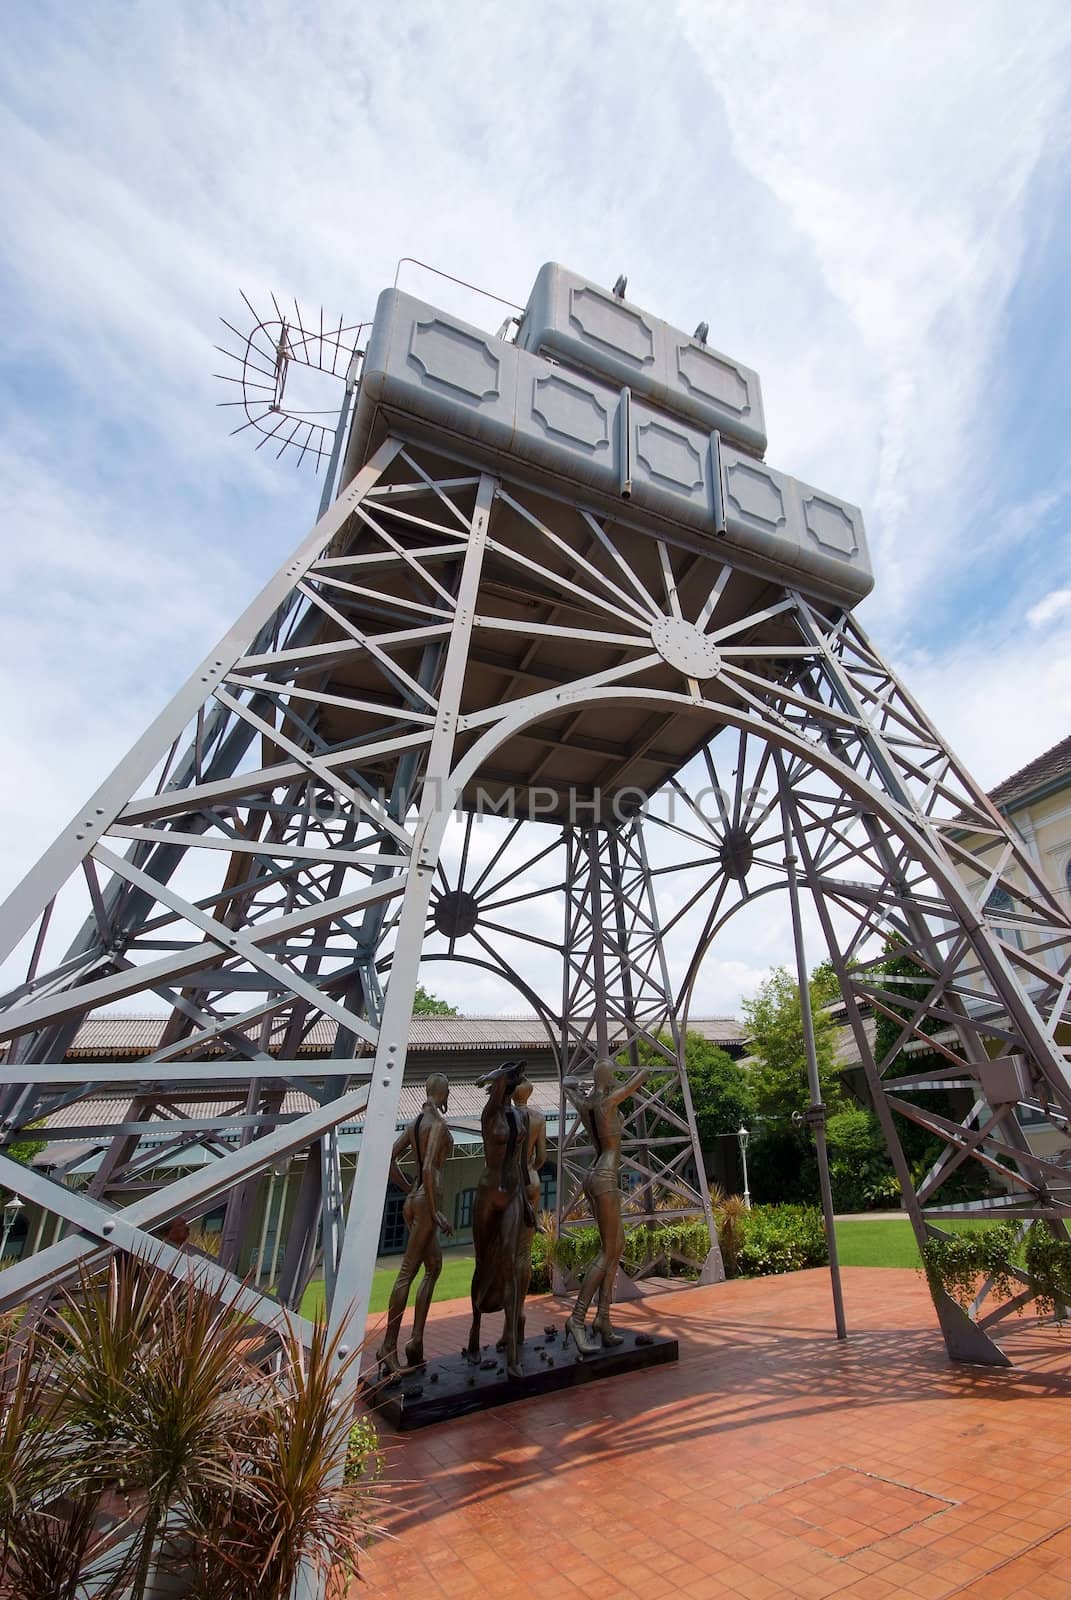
[278, 1240]
[742, 1137]
[264, 1229]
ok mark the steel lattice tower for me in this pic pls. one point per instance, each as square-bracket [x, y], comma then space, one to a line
[552, 579]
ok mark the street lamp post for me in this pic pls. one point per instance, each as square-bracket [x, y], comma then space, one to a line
[12, 1208]
[742, 1136]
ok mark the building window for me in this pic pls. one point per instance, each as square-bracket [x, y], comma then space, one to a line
[548, 1185]
[1000, 901]
[393, 1235]
[463, 1204]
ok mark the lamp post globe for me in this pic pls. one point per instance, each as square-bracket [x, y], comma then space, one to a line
[12, 1207]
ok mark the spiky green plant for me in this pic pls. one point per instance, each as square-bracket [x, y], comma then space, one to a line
[730, 1213]
[209, 1244]
[48, 1521]
[297, 1498]
[155, 1376]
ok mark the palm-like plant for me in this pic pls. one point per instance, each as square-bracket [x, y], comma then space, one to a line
[154, 1375]
[296, 1499]
[233, 1467]
[50, 1522]
[730, 1212]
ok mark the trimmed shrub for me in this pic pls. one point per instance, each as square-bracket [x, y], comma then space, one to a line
[542, 1260]
[681, 1246]
[1048, 1261]
[781, 1239]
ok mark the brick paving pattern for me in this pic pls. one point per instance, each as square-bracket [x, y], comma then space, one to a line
[769, 1463]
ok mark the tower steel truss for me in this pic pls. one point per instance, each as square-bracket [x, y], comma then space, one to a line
[618, 1000]
[663, 722]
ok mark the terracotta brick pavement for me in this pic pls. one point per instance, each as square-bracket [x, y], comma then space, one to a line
[770, 1463]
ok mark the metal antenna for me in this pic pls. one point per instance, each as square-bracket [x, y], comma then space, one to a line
[263, 353]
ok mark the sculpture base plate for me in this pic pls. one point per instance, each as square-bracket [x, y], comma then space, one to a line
[452, 1386]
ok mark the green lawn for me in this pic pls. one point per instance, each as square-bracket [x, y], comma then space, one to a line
[883, 1242]
[453, 1284]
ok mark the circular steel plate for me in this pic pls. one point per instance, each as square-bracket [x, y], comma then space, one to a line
[683, 646]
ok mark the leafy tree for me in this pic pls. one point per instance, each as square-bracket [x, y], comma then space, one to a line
[898, 964]
[825, 985]
[781, 1158]
[775, 1029]
[722, 1095]
[429, 1005]
[721, 1089]
[24, 1150]
[860, 1171]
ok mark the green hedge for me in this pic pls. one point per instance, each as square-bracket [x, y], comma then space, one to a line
[576, 1250]
[781, 1238]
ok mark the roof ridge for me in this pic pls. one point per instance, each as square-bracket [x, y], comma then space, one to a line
[423, 1016]
[1006, 788]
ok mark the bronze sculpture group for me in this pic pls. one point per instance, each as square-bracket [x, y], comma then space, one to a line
[505, 1210]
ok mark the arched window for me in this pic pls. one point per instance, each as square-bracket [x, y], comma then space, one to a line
[1001, 901]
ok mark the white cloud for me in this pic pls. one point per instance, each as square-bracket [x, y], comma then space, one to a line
[901, 145]
[999, 700]
[1048, 609]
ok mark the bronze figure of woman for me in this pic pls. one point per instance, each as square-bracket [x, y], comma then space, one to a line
[503, 1220]
[598, 1111]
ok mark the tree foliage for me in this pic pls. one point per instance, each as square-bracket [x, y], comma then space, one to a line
[860, 1171]
[899, 965]
[781, 1157]
[825, 985]
[722, 1096]
[429, 1005]
[24, 1150]
[775, 1027]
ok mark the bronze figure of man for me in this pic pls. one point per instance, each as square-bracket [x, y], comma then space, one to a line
[429, 1141]
[503, 1218]
[598, 1111]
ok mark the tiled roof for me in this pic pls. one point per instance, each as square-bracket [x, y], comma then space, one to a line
[466, 1103]
[845, 1049]
[1045, 769]
[116, 1037]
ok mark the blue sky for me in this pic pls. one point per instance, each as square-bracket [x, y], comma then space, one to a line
[868, 206]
